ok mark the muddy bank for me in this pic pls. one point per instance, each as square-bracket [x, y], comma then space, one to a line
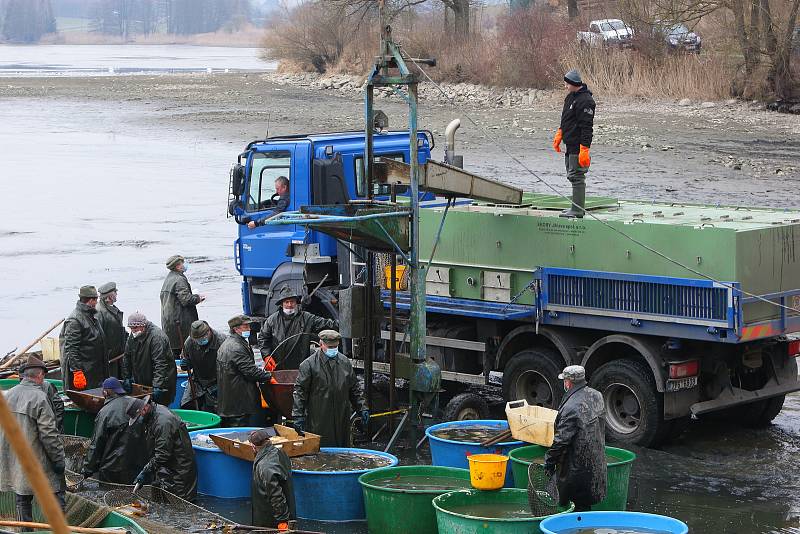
[721, 152]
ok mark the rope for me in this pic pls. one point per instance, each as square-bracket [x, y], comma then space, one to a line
[541, 180]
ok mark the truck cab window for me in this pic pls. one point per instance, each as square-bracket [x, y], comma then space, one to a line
[361, 181]
[266, 169]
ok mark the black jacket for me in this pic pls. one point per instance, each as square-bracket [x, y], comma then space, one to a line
[238, 378]
[578, 450]
[279, 327]
[178, 308]
[148, 361]
[83, 347]
[271, 488]
[118, 451]
[577, 119]
[114, 334]
[173, 464]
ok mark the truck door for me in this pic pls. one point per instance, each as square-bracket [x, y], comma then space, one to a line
[262, 249]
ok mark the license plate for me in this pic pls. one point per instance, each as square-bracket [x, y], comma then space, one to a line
[681, 383]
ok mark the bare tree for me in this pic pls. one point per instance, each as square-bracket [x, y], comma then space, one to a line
[26, 21]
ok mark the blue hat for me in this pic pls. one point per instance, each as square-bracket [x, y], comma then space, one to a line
[114, 385]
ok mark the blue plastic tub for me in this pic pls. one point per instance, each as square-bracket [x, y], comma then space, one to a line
[332, 495]
[181, 385]
[219, 474]
[616, 520]
[451, 453]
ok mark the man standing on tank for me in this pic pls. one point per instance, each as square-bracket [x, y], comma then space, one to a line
[577, 120]
[577, 455]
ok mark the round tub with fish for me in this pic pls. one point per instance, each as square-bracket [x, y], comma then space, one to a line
[613, 523]
[453, 441]
[219, 474]
[326, 486]
[505, 511]
[398, 499]
[619, 462]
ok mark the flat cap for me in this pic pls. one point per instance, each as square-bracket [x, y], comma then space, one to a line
[199, 329]
[575, 373]
[87, 292]
[330, 336]
[287, 292]
[137, 319]
[31, 363]
[239, 320]
[259, 437]
[174, 260]
[107, 288]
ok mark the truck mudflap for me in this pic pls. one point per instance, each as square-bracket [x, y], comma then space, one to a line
[785, 381]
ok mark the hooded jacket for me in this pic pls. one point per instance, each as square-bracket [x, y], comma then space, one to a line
[172, 463]
[118, 451]
[83, 347]
[148, 361]
[577, 119]
[238, 378]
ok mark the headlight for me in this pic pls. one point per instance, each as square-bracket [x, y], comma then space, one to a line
[673, 41]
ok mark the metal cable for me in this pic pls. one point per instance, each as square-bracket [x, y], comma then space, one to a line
[538, 178]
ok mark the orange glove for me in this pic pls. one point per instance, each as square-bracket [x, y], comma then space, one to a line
[583, 157]
[557, 140]
[79, 380]
[270, 364]
[283, 526]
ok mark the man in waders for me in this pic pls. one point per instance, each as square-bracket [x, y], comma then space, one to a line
[271, 488]
[577, 119]
[578, 451]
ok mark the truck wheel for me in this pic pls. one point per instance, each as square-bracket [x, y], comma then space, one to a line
[634, 413]
[756, 414]
[532, 375]
[466, 407]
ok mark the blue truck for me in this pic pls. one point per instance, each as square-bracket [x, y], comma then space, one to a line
[676, 310]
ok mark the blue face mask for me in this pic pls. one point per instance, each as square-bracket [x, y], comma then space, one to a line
[246, 334]
[331, 353]
[203, 342]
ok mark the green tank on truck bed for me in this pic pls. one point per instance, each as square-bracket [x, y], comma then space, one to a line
[757, 249]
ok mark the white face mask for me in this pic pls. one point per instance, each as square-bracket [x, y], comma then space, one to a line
[137, 334]
[289, 311]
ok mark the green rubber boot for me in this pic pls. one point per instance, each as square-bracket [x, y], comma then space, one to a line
[576, 211]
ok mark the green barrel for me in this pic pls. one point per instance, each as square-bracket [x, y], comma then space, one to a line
[8, 383]
[405, 511]
[453, 517]
[198, 420]
[78, 423]
[619, 474]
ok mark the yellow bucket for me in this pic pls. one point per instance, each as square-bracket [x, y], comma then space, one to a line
[399, 272]
[487, 471]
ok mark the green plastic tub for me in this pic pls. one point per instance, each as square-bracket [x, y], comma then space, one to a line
[452, 514]
[405, 511]
[8, 383]
[78, 423]
[619, 474]
[196, 420]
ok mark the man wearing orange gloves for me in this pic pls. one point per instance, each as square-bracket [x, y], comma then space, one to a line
[575, 131]
[84, 362]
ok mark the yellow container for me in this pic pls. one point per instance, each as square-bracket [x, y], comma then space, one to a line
[399, 279]
[487, 471]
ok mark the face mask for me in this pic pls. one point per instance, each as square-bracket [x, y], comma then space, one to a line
[203, 342]
[331, 353]
[246, 334]
[290, 311]
[137, 334]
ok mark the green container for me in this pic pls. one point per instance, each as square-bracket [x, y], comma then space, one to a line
[455, 522]
[404, 511]
[8, 383]
[198, 420]
[78, 423]
[619, 474]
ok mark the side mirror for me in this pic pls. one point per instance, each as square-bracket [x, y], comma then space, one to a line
[237, 180]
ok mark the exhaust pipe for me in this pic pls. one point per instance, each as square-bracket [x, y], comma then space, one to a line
[450, 145]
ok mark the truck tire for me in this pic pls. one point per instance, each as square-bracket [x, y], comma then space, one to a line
[532, 375]
[756, 414]
[466, 407]
[634, 408]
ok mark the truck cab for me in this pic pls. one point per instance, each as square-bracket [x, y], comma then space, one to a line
[320, 169]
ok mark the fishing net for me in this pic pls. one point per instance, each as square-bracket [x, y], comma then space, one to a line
[79, 512]
[154, 509]
[542, 491]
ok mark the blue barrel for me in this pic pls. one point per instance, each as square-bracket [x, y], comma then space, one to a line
[219, 474]
[613, 520]
[449, 453]
[181, 385]
[332, 495]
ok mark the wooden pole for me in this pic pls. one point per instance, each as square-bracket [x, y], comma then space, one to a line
[40, 526]
[33, 471]
[10, 362]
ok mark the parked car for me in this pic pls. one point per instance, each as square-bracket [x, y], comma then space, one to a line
[607, 32]
[680, 38]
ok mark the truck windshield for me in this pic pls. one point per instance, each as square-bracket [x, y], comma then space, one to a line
[612, 25]
[267, 167]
